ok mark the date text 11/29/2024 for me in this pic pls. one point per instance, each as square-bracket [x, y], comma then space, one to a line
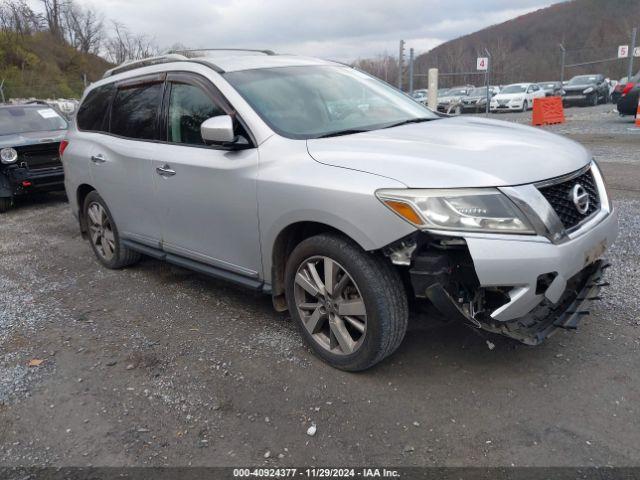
[316, 472]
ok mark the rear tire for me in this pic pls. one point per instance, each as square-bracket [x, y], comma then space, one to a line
[5, 204]
[103, 234]
[362, 284]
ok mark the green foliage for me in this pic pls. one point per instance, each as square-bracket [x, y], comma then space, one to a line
[43, 66]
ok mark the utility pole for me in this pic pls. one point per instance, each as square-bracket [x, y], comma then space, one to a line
[2, 90]
[634, 32]
[400, 63]
[562, 58]
[411, 71]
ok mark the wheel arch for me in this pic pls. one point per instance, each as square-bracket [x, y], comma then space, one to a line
[81, 193]
[283, 245]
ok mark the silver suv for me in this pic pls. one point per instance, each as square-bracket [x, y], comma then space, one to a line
[348, 202]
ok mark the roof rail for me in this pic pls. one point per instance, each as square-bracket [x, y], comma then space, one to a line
[145, 62]
[191, 53]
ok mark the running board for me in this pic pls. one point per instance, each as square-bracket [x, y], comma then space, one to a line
[194, 265]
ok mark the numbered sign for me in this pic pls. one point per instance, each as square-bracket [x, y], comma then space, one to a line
[623, 51]
[482, 63]
[636, 52]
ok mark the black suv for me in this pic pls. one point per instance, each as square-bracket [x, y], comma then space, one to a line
[586, 90]
[30, 137]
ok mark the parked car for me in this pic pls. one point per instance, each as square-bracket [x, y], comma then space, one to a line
[551, 89]
[628, 102]
[516, 97]
[476, 100]
[421, 95]
[452, 98]
[618, 89]
[233, 166]
[586, 90]
[30, 137]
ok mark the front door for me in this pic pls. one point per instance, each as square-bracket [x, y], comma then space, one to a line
[206, 195]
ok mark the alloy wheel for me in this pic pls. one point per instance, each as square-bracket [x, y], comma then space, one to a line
[330, 305]
[101, 231]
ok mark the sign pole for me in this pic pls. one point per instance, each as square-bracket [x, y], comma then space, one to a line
[563, 53]
[487, 79]
[411, 71]
[634, 32]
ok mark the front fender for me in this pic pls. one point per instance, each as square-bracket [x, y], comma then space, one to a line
[292, 188]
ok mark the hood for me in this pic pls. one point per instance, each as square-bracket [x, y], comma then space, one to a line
[31, 138]
[454, 152]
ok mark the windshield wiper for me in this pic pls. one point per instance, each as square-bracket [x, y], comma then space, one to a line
[349, 131]
[411, 120]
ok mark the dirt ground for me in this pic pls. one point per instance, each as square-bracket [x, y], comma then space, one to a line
[155, 365]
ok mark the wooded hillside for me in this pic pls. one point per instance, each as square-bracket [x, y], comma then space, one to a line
[526, 48]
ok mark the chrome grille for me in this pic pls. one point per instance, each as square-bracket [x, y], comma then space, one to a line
[559, 195]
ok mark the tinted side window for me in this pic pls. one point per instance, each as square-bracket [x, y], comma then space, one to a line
[189, 106]
[135, 110]
[92, 114]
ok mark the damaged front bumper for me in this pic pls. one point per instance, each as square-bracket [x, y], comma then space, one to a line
[18, 180]
[541, 322]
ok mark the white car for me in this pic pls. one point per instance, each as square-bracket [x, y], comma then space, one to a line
[517, 96]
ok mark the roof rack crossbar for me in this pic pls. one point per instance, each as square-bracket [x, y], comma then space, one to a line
[145, 62]
[186, 52]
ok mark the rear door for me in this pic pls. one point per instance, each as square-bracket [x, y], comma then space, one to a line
[121, 163]
[206, 194]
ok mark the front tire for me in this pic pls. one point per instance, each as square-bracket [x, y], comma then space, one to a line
[350, 305]
[103, 234]
[5, 204]
[525, 106]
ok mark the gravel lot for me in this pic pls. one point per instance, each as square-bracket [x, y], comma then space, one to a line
[155, 365]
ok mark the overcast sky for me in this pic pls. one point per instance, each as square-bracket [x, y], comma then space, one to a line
[338, 29]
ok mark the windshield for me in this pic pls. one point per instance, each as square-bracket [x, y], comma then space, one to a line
[308, 102]
[17, 119]
[456, 92]
[479, 92]
[514, 89]
[582, 79]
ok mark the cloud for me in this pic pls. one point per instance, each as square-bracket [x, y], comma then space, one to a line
[339, 29]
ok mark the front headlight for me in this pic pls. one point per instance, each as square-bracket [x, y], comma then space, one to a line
[473, 209]
[588, 90]
[8, 155]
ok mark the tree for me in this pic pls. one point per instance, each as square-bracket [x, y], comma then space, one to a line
[84, 28]
[54, 11]
[16, 16]
[124, 45]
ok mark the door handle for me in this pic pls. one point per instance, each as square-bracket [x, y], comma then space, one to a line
[98, 158]
[165, 171]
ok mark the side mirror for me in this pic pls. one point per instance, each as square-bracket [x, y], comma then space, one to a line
[218, 130]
